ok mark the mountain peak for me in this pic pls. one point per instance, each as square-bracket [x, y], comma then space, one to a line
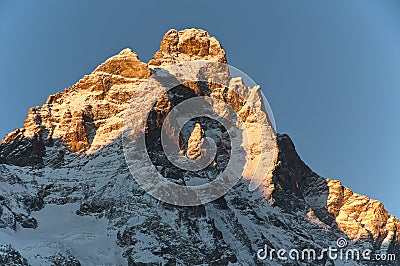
[187, 45]
[126, 64]
[127, 51]
[74, 144]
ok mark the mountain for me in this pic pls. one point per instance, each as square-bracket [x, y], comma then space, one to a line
[68, 194]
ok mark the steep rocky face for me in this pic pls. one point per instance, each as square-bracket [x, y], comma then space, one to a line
[187, 45]
[69, 154]
[90, 113]
[84, 118]
[358, 216]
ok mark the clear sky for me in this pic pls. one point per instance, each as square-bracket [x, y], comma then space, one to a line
[330, 69]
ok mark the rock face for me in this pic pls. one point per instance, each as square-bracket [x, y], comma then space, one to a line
[187, 45]
[83, 118]
[360, 217]
[69, 155]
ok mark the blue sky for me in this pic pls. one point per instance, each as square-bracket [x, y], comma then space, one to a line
[330, 69]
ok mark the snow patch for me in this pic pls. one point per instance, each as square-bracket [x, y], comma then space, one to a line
[60, 230]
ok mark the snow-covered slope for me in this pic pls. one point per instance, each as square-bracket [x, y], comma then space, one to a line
[67, 196]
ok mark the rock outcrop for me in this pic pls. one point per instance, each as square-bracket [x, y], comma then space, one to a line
[360, 217]
[194, 142]
[187, 45]
[9, 256]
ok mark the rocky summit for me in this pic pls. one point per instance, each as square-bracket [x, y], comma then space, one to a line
[67, 196]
